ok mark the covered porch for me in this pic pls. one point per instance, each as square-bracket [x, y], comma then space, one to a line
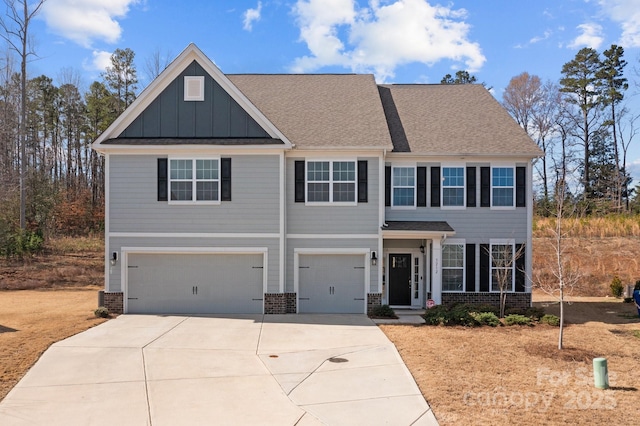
[412, 262]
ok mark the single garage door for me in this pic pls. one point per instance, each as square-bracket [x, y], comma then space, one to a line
[331, 284]
[194, 283]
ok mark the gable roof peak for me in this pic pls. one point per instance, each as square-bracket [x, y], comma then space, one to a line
[169, 74]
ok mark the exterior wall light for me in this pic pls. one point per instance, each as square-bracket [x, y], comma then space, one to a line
[114, 258]
[374, 258]
[421, 249]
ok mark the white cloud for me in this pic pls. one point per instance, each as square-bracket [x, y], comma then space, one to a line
[591, 36]
[537, 39]
[627, 13]
[250, 16]
[100, 60]
[86, 20]
[379, 38]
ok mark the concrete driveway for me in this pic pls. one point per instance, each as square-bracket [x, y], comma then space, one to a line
[223, 370]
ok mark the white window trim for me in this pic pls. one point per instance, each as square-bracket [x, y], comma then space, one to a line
[189, 81]
[330, 182]
[512, 243]
[193, 182]
[415, 186]
[464, 186]
[457, 242]
[503, 166]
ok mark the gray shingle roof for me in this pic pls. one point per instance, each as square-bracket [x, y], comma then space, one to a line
[320, 110]
[460, 119]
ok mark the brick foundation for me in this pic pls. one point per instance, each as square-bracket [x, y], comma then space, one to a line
[514, 300]
[373, 300]
[280, 303]
[113, 301]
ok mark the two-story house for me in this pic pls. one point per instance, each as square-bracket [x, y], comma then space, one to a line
[314, 193]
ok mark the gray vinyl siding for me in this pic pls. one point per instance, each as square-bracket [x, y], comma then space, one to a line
[170, 116]
[475, 224]
[294, 243]
[359, 219]
[272, 245]
[255, 205]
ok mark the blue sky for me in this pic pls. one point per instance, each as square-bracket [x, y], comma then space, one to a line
[400, 41]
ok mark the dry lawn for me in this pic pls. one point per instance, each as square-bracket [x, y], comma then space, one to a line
[516, 375]
[31, 320]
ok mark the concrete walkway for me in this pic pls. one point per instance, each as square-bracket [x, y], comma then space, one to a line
[232, 370]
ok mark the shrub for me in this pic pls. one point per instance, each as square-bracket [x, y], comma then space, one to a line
[101, 312]
[550, 319]
[382, 311]
[437, 315]
[515, 319]
[637, 286]
[514, 311]
[486, 318]
[616, 286]
[628, 299]
[485, 307]
[534, 313]
[18, 242]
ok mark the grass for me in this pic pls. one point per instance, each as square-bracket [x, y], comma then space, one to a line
[590, 227]
[516, 375]
[31, 320]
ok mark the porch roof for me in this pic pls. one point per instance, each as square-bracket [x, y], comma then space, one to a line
[417, 229]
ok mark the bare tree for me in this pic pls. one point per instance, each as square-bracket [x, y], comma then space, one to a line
[626, 122]
[15, 25]
[562, 277]
[156, 63]
[504, 257]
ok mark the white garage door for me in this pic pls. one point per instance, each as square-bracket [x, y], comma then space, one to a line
[194, 283]
[331, 284]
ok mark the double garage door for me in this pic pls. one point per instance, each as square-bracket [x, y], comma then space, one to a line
[194, 283]
[331, 283]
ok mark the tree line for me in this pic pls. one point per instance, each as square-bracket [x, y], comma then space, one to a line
[584, 128]
[64, 177]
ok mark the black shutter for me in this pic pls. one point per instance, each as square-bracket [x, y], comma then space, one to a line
[162, 179]
[470, 266]
[225, 179]
[435, 187]
[520, 265]
[471, 186]
[422, 187]
[485, 186]
[299, 182]
[387, 185]
[485, 267]
[363, 185]
[521, 187]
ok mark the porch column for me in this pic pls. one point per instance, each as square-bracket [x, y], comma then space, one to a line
[436, 271]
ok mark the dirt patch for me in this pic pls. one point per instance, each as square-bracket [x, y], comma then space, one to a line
[520, 377]
[31, 320]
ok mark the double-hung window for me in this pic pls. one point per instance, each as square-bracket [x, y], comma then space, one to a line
[502, 266]
[502, 187]
[453, 267]
[404, 186]
[453, 186]
[331, 182]
[194, 180]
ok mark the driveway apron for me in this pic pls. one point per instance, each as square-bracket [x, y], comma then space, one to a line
[221, 370]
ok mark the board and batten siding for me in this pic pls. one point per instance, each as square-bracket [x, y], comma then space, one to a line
[329, 219]
[170, 116]
[330, 243]
[272, 245]
[254, 205]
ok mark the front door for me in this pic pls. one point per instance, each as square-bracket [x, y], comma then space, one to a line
[400, 279]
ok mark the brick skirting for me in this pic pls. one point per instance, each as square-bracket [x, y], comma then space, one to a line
[373, 300]
[280, 303]
[113, 301]
[514, 300]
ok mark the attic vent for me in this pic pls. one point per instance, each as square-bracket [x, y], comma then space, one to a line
[194, 88]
